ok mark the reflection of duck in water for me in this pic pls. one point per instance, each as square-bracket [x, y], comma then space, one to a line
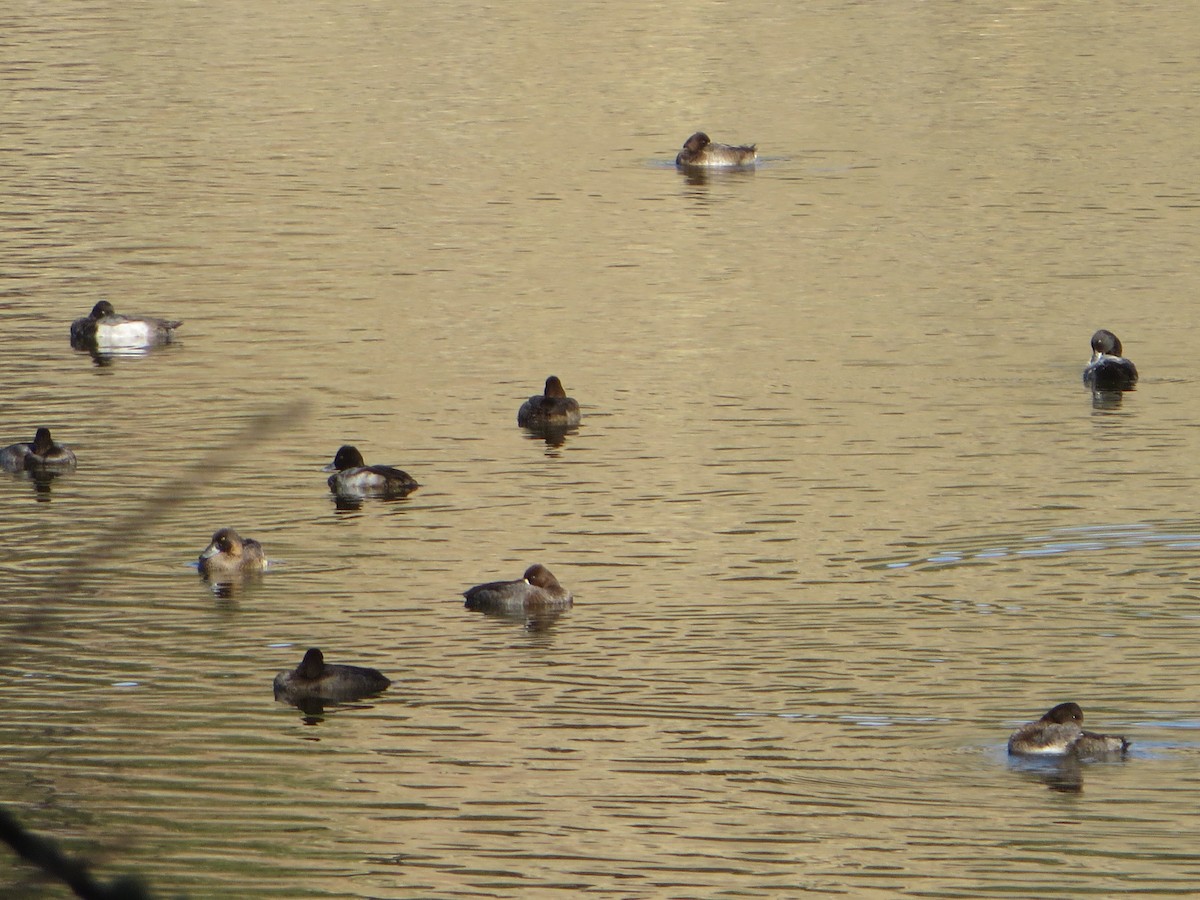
[700, 152]
[536, 590]
[354, 478]
[1108, 369]
[42, 455]
[104, 329]
[549, 410]
[315, 679]
[1060, 733]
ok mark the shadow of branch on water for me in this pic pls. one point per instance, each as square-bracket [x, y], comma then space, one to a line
[43, 852]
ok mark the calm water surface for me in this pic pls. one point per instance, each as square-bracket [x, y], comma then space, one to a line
[839, 516]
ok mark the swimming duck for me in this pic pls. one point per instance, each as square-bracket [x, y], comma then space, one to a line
[1108, 369]
[316, 679]
[1060, 733]
[536, 589]
[104, 329]
[354, 478]
[231, 554]
[550, 409]
[700, 152]
[41, 455]
[46, 455]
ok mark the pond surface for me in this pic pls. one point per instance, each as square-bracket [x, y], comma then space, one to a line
[839, 515]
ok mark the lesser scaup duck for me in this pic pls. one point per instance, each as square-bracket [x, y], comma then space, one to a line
[104, 329]
[536, 589]
[550, 409]
[46, 455]
[700, 152]
[231, 554]
[40, 455]
[1060, 733]
[1108, 369]
[314, 679]
[354, 478]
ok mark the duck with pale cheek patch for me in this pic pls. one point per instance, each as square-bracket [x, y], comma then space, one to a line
[1060, 733]
[104, 329]
[550, 409]
[1108, 369]
[231, 554]
[536, 590]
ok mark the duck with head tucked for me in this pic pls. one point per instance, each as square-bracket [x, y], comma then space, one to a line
[43, 454]
[1060, 733]
[550, 409]
[536, 590]
[699, 152]
[1108, 370]
[315, 679]
[354, 478]
[105, 330]
[230, 554]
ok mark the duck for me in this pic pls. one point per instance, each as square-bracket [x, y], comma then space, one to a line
[315, 679]
[1108, 369]
[354, 478]
[40, 455]
[104, 329]
[550, 409]
[700, 152]
[537, 589]
[1060, 733]
[230, 554]
[46, 455]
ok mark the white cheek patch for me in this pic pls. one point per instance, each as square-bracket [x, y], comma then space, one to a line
[125, 334]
